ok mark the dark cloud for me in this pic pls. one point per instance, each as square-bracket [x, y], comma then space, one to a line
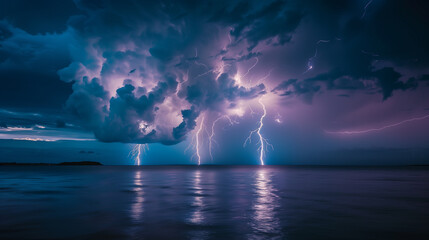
[32, 90]
[86, 102]
[385, 80]
[397, 31]
[274, 21]
[28, 65]
[188, 124]
[368, 53]
[293, 87]
[148, 71]
[126, 113]
[38, 16]
[211, 93]
[146, 46]
[388, 80]
[60, 123]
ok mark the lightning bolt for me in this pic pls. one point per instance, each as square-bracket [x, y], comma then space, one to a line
[204, 73]
[137, 151]
[265, 77]
[211, 140]
[263, 143]
[310, 62]
[248, 70]
[378, 129]
[364, 9]
[197, 138]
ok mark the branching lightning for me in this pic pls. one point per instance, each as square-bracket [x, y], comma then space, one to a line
[263, 142]
[212, 134]
[197, 142]
[377, 129]
[137, 151]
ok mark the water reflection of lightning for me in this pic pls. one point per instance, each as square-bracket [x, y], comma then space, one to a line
[378, 129]
[211, 140]
[137, 206]
[263, 143]
[264, 219]
[137, 151]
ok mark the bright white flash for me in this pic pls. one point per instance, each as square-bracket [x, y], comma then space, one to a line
[263, 143]
[377, 129]
[137, 152]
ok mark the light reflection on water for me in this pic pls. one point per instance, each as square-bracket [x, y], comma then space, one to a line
[109, 202]
[137, 205]
[197, 203]
[264, 219]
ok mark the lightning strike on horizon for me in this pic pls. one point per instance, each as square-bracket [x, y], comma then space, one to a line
[197, 144]
[377, 129]
[137, 151]
[211, 140]
[263, 142]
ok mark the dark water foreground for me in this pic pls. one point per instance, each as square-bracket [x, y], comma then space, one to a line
[108, 202]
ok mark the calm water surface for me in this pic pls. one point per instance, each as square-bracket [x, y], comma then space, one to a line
[117, 202]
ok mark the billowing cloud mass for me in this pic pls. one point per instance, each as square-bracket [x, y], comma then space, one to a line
[150, 71]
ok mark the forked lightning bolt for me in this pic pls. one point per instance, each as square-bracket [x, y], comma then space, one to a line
[211, 140]
[137, 151]
[263, 143]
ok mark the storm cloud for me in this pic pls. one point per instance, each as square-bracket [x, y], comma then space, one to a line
[148, 71]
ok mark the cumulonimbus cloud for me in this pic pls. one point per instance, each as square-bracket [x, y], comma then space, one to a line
[145, 75]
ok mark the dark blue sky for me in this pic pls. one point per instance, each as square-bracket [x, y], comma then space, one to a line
[311, 82]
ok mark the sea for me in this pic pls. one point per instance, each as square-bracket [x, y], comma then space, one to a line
[213, 202]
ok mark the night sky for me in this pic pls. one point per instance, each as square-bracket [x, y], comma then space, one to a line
[216, 82]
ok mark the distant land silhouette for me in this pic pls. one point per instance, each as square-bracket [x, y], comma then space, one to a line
[53, 164]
